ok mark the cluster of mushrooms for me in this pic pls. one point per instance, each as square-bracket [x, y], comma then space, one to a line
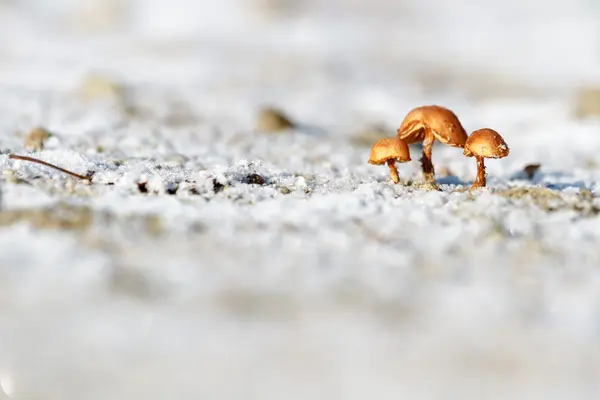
[426, 124]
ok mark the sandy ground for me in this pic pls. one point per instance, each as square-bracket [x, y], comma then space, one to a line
[209, 259]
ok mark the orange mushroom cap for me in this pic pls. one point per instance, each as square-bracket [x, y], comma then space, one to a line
[486, 143]
[443, 123]
[389, 149]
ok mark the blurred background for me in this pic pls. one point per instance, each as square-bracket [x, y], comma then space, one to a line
[368, 53]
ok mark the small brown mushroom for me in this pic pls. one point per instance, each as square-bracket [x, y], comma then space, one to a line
[427, 123]
[484, 143]
[389, 151]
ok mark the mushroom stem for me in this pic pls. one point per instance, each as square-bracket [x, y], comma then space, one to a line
[480, 180]
[426, 163]
[393, 171]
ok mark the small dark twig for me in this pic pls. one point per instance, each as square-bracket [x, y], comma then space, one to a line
[35, 160]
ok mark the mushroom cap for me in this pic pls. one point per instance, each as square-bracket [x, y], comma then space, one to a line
[389, 149]
[486, 143]
[443, 123]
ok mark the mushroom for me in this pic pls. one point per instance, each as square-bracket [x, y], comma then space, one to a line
[427, 123]
[484, 143]
[389, 151]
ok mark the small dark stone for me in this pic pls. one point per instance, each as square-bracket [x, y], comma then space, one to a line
[217, 187]
[198, 227]
[130, 283]
[110, 184]
[172, 188]
[273, 120]
[142, 187]
[531, 170]
[36, 138]
[254, 179]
